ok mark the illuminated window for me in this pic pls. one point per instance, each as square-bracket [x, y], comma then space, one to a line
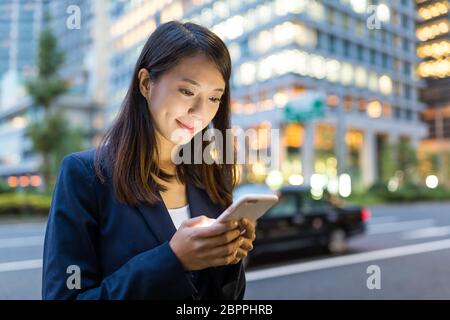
[348, 103]
[360, 77]
[332, 100]
[373, 81]
[359, 6]
[234, 27]
[361, 105]
[385, 84]
[433, 10]
[383, 13]
[247, 73]
[433, 30]
[316, 10]
[220, 8]
[206, 17]
[332, 70]
[318, 66]
[354, 139]
[374, 109]
[346, 74]
[293, 135]
[234, 50]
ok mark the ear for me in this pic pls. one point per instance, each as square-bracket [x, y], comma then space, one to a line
[144, 82]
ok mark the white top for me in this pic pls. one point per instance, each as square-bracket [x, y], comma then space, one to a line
[178, 215]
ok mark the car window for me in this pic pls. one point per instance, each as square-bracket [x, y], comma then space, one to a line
[286, 206]
[309, 205]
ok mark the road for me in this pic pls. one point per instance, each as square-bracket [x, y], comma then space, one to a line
[409, 243]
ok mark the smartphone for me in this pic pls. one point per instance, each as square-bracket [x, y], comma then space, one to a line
[250, 206]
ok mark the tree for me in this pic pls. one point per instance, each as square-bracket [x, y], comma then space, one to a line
[47, 86]
[49, 132]
[388, 161]
[407, 161]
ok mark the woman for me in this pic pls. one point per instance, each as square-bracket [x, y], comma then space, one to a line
[126, 222]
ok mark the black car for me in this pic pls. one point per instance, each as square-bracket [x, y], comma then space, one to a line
[299, 221]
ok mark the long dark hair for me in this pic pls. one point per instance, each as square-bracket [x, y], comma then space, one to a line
[130, 146]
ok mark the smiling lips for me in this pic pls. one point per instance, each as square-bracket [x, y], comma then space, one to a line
[185, 126]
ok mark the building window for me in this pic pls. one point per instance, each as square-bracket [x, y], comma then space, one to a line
[397, 88]
[385, 61]
[345, 21]
[397, 112]
[362, 105]
[332, 43]
[407, 92]
[347, 48]
[360, 28]
[331, 16]
[405, 21]
[397, 65]
[407, 68]
[372, 57]
[405, 44]
[332, 100]
[408, 114]
[360, 52]
[348, 103]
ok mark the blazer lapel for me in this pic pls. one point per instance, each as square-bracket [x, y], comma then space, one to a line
[200, 203]
[158, 219]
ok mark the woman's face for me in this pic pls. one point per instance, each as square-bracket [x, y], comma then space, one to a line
[185, 99]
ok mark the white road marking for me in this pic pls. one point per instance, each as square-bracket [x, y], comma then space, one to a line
[348, 260]
[392, 227]
[427, 233]
[21, 242]
[30, 226]
[20, 265]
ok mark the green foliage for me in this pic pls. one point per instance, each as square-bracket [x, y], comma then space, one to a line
[51, 137]
[388, 161]
[407, 192]
[23, 203]
[4, 187]
[47, 86]
[408, 162]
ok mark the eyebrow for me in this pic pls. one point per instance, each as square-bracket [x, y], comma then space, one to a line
[195, 83]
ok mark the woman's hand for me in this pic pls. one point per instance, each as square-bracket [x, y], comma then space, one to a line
[199, 243]
[248, 228]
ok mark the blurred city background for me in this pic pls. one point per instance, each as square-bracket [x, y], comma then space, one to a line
[359, 90]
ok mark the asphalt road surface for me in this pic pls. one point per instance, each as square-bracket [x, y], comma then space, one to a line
[404, 255]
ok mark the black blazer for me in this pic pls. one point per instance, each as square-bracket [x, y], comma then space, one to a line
[122, 252]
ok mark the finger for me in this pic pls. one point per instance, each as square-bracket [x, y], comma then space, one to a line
[227, 249]
[248, 224]
[216, 229]
[241, 253]
[224, 260]
[197, 220]
[222, 239]
[247, 245]
[249, 227]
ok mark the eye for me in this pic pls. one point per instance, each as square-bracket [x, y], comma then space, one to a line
[215, 100]
[186, 92]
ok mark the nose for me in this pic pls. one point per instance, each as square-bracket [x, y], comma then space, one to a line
[198, 107]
